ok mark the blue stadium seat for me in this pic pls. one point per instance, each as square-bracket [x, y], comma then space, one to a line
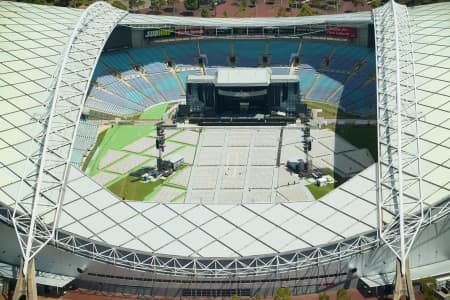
[118, 61]
[338, 82]
[248, 51]
[146, 56]
[140, 84]
[281, 51]
[345, 57]
[84, 139]
[217, 51]
[324, 88]
[183, 52]
[167, 85]
[313, 53]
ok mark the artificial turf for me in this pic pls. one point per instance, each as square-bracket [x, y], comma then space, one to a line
[154, 113]
[116, 138]
[131, 188]
[319, 191]
[360, 137]
[330, 111]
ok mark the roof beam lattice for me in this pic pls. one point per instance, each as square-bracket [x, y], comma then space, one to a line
[399, 179]
[42, 186]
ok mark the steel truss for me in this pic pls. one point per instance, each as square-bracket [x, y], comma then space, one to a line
[224, 268]
[36, 210]
[399, 179]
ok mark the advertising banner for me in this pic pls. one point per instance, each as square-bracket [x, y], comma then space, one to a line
[341, 31]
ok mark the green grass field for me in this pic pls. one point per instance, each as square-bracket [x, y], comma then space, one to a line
[116, 138]
[360, 137]
[320, 191]
[130, 188]
[154, 113]
[329, 111]
[98, 142]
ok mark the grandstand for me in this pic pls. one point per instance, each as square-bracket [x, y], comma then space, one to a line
[233, 219]
[157, 83]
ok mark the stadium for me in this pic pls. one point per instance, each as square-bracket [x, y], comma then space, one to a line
[90, 98]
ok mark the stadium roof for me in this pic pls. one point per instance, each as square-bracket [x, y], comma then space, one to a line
[141, 20]
[32, 40]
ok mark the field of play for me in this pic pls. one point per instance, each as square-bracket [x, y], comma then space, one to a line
[124, 149]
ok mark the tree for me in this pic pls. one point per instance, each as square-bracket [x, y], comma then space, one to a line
[342, 294]
[225, 14]
[119, 4]
[156, 4]
[172, 3]
[282, 12]
[135, 3]
[191, 4]
[283, 293]
[242, 4]
[204, 13]
[258, 296]
[305, 10]
[234, 297]
[427, 287]
[375, 3]
[324, 296]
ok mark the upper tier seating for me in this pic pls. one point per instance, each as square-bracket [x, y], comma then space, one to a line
[345, 57]
[345, 78]
[281, 50]
[183, 53]
[102, 75]
[217, 51]
[248, 52]
[144, 56]
[118, 61]
[313, 53]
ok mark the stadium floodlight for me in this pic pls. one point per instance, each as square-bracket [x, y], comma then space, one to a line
[47, 166]
[399, 178]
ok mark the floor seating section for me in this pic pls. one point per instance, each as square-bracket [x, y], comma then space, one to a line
[84, 140]
[340, 74]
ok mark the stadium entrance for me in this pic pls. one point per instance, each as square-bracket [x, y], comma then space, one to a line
[242, 95]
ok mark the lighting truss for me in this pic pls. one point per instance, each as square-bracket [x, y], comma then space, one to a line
[399, 179]
[36, 210]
